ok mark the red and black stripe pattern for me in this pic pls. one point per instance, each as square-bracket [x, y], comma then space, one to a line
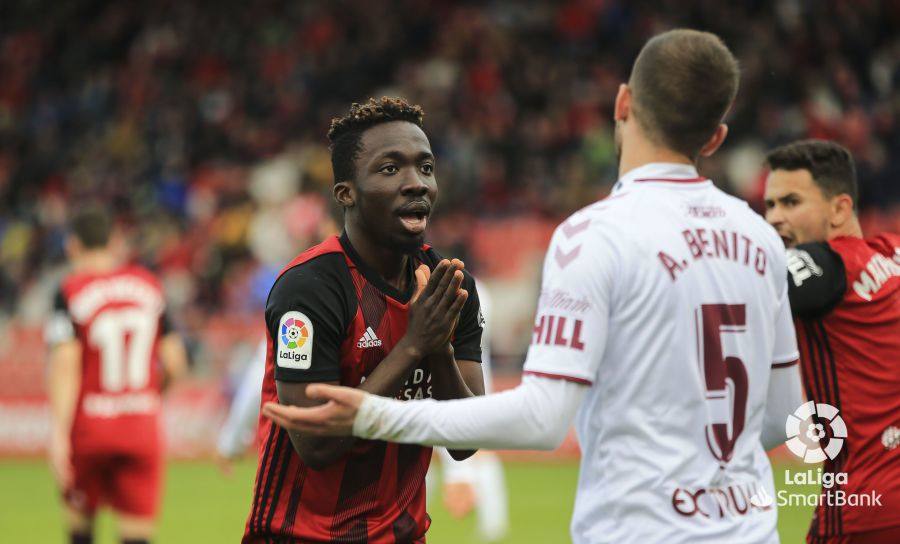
[822, 385]
[375, 493]
[270, 480]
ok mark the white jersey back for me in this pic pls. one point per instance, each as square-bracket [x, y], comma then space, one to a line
[670, 299]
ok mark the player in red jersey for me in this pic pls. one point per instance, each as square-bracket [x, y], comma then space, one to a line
[111, 354]
[845, 295]
[376, 309]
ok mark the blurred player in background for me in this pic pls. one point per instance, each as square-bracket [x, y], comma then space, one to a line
[845, 293]
[373, 308]
[112, 352]
[240, 424]
[663, 321]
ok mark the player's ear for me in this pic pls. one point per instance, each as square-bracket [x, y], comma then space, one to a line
[622, 109]
[841, 210]
[715, 141]
[344, 194]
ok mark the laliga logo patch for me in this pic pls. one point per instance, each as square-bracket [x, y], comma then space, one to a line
[807, 437]
[295, 332]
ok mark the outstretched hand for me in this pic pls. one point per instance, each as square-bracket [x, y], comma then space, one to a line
[333, 418]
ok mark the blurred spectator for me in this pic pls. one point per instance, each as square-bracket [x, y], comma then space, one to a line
[204, 129]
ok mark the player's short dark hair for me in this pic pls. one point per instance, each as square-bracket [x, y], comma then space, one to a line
[91, 225]
[683, 83]
[346, 132]
[829, 163]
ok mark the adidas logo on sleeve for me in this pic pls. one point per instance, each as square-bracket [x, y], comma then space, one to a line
[368, 340]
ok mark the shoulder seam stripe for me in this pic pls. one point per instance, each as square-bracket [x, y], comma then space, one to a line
[673, 180]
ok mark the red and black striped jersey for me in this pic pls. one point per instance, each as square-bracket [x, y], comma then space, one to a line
[331, 318]
[846, 296]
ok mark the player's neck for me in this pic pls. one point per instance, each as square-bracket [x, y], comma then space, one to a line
[851, 228]
[388, 263]
[639, 151]
[96, 262]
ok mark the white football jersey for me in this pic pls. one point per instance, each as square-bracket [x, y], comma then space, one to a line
[670, 299]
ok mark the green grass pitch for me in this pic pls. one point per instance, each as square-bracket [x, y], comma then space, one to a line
[203, 506]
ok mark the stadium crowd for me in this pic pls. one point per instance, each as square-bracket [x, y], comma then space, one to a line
[204, 129]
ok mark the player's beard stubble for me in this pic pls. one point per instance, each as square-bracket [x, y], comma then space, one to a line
[386, 232]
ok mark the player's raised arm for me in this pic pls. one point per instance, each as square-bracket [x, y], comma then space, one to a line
[456, 370]
[431, 318]
[433, 313]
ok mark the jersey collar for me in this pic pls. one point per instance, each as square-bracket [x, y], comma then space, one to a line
[375, 278]
[669, 173]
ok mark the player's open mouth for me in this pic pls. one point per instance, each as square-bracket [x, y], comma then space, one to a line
[414, 222]
[414, 216]
[788, 240]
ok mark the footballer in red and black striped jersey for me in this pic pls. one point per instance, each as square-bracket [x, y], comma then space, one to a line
[324, 316]
[846, 296]
[844, 290]
[355, 310]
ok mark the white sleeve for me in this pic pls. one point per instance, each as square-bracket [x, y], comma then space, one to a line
[572, 317]
[535, 415]
[785, 347]
[784, 396]
[243, 415]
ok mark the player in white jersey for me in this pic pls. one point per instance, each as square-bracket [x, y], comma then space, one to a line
[663, 321]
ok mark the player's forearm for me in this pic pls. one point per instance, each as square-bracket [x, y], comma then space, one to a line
[785, 394]
[63, 381]
[320, 452]
[385, 380]
[535, 415]
[317, 452]
[391, 373]
[447, 383]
